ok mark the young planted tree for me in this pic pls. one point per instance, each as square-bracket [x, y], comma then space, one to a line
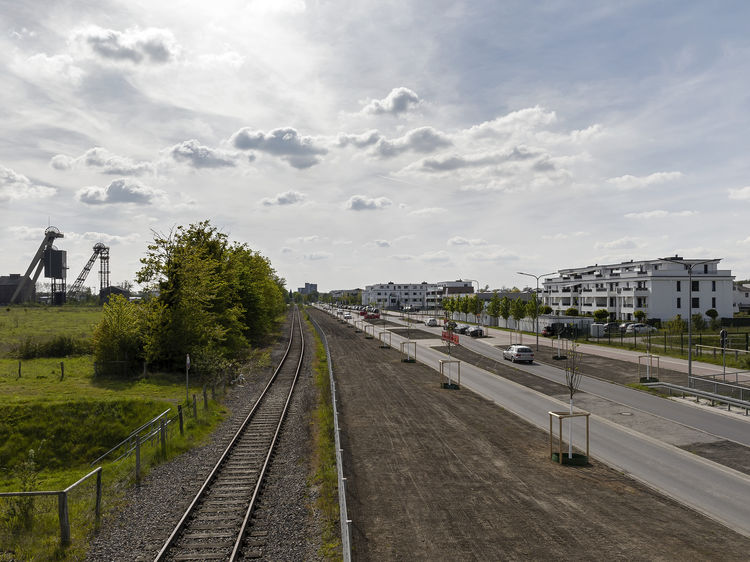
[493, 308]
[532, 307]
[573, 382]
[504, 309]
[699, 322]
[518, 311]
[463, 306]
[477, 306]
[713, 314]
[117, 340]
[640, 315]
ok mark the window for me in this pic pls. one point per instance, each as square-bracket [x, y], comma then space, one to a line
[705, 268]
[713, 302]
[696, 302]
[679, 286]
[696, 286]
[679, 301]
[713, 286]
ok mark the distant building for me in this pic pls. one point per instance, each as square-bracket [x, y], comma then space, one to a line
[741, 300]
[8, 286]
[657, 287]
[308, 289]
[423, 296]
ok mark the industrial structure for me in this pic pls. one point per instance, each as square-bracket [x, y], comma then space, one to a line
[102, 252]
[54, 263]
[17, 288]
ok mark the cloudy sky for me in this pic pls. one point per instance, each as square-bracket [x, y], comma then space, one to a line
[361, 142]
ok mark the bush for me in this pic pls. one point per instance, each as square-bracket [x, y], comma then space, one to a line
[59, 346]
[572, 311]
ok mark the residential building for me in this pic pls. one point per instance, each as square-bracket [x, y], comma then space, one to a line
[308, 289]
[741, 301]
[658, 287]
[423, 296]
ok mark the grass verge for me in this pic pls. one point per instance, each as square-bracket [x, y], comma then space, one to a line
[325, 477]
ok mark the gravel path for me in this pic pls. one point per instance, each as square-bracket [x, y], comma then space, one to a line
[139, 529]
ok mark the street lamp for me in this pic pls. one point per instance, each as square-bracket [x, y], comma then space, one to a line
[536, 300]
[689, 268]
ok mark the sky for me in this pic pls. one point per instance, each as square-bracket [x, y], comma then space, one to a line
[354, 143]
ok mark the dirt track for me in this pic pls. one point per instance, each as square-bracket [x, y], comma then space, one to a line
[446, 475]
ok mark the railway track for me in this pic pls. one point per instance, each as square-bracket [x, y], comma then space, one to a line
[216, 524]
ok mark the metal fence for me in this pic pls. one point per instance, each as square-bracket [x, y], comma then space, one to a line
[346, 523]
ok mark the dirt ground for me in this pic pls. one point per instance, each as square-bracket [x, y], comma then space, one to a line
[446, 475]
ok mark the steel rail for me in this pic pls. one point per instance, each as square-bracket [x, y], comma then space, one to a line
[180, 527]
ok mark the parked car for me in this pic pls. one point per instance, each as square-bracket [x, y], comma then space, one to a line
[519, 353]
[431, 322]
[475, 331]
[461, 328]
[450, 325]
[347, 316]
[639, 328]
[548, 331]
[624, 326]
[611, 328]
[372, 315]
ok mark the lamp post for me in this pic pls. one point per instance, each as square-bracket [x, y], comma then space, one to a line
[536, 300]
[689, 267]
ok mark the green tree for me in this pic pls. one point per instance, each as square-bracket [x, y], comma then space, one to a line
[463, 305]
[640, 316]
[117, 337]
[676, 325]
[601, 315]
[493, 309]
[699, 322]
[546, 309]
[572, 311]
[504, 310]
[532, 307]
[518, 311]
[713, 314]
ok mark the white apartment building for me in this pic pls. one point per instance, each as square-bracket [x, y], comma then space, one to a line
[741, 298]
[424, 295]
[660, 288]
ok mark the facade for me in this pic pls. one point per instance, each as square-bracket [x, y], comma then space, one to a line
[308, 289]
[422, 296]
[741, 301]
[657, 287]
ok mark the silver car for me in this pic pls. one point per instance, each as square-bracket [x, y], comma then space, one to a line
[519, 353]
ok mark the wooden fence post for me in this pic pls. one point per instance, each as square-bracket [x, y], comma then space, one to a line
[62, 510]
[62, 370]
[195, 408]
[19, 369]
[137, 460]
[179, 414]
[205, 398]
[98, 509]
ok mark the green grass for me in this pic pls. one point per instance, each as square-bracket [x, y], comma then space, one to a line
[325, 476]
[43, 323]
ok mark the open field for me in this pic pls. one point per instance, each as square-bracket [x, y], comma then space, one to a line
[43, 323]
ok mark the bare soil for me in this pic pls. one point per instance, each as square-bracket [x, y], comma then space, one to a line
[439, 474]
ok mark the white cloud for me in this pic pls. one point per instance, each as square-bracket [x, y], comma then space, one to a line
[199, 156]
[362, 140]
[494, 256]
[439, 256]
[400, 100]
[299, 151]
[659, 214]
[317, 256]
[120, 192]
[363, 203]
[565, 235]
[625, 243]
[428, 212]
[460, 241]
[150, 45]
[626, 183]
[423, 139]
[382, 243]
[741, 194]
[286, 198]
[520, 121]
[103, 160]
[17, 187]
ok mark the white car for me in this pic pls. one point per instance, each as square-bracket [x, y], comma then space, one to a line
[519, 353]
[431, 322]
[347, 316]
[639, 328]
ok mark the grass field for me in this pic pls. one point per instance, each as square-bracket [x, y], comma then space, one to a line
[52, 426]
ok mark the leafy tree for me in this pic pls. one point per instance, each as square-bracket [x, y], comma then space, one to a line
[463, 305]
[572, 311]
[504, 309]
[676, 325]
[699, 322]
[546, 309]
[713, 314]
[518, 311]
[640, 316]
[493, 309]
[532, 307]
[117, 337]
[601, 314]
[477, 305]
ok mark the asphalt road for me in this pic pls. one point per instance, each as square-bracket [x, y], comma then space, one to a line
[717, 491]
